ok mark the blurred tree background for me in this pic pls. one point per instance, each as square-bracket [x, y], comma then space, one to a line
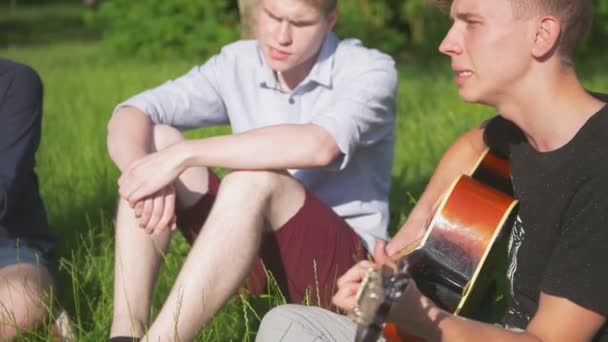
[159, 29]
[154, 29]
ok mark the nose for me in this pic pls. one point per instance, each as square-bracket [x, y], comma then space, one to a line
[451, 43]
[284, 37]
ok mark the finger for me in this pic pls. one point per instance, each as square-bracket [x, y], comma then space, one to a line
[401, 240]
[126, 191]
[124, 184]
[138, 209]
[129, 188]
[123, 191]
[355, 273]
[173, 223]
[412, 230]
[346, 298]
[157, 213]
[168, 213]
[139, 193]
[146, 212]
[381, 257]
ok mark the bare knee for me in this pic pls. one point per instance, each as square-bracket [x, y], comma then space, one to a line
[165, 136]
[24, 296]
[280, 193]
[260, 181]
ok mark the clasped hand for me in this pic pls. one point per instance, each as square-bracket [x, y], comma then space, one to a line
[147, 185]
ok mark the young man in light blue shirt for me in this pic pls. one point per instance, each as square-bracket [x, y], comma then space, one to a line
[310, 156]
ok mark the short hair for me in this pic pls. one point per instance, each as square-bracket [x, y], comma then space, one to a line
[326, 6]
[575, 17]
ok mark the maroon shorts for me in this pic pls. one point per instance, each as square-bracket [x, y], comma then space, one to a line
[305, 256]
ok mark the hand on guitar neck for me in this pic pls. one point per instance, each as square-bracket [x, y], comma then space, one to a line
[446, 259]
[381, 283]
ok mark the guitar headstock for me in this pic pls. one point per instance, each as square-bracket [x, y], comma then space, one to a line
[369, 297]
[377, 293]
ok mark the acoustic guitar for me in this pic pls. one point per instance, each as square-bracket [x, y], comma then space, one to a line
[452, 263]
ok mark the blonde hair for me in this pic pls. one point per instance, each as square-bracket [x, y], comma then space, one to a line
[326, 6]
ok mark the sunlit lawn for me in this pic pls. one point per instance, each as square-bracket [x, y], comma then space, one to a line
[78, 181]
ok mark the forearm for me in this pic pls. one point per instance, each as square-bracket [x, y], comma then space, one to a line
[459, 159]
[453, 328]
[129, 136]
[274, 147]
[438, 325]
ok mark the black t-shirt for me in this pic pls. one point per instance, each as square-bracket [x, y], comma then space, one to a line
[22, 215]
[559, 241]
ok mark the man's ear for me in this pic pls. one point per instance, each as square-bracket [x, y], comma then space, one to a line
[332, 18]
[547, 37]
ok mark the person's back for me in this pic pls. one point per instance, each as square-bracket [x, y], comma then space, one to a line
[26, 242]
[22, 213]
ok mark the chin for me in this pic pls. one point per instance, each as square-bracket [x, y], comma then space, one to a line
[279, 66]
[470, 96]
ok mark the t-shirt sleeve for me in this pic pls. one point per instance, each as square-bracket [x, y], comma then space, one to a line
[363, 110]
[20, 125]
[499, 134]
[190, 101]
[577, 267]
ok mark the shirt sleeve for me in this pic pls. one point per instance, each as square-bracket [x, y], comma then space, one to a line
[363, 111]
[190, 101]
[20, 125]
[577, 267]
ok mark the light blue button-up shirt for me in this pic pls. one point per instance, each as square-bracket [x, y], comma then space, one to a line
[350, 92]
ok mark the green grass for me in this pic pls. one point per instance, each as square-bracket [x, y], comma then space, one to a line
[78, 181]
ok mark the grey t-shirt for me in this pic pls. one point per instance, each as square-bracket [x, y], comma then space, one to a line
[350, 92]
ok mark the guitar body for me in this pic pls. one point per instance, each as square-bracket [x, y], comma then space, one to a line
[459, 240]
[452, 263]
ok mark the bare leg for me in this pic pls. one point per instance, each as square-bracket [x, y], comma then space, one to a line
[24, 298]
[247, 203]
[138, 255]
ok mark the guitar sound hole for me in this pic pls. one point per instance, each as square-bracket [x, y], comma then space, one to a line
[443, 286]
[444, 297]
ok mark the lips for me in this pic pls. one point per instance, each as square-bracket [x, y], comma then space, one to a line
[462, 75]
[278, 55]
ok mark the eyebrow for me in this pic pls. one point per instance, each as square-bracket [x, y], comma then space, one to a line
[465, 16]
[269, 12]
[297, 20]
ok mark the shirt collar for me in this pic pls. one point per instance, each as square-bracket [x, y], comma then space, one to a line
[320, 72]
[265, 75]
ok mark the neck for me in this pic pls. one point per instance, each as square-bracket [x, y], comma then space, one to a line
[549, 107]
[291, 78]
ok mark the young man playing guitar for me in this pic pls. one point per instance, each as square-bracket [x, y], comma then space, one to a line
[516, 56]
[313, 119]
